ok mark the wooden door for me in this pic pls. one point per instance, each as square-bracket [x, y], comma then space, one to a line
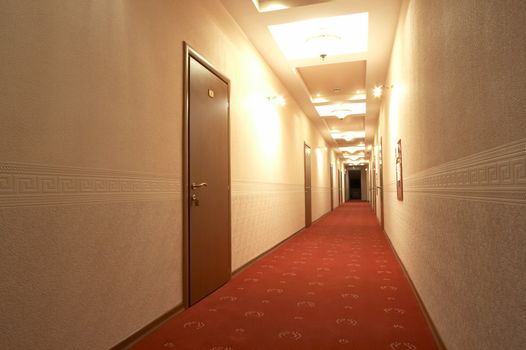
[381, 180]
[339, 187]
[331, 170]
[207, 180]
[308, 196]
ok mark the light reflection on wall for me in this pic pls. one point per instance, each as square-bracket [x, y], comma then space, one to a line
[395, 99]
[321, 164]
[267, 127]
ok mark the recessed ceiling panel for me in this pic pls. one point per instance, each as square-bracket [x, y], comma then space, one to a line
[329, 36]
[275, 5]
[339, 79]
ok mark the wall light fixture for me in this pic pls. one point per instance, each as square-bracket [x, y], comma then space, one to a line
[277, 100]
[378, 90]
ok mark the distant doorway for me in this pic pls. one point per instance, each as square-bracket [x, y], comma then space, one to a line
[355, 185]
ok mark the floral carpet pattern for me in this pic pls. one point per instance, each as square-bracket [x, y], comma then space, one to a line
[335, 285]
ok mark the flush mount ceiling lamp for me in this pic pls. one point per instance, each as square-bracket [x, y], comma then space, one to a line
[356, 163]
[277, 5]
[352, 149]
[358, 97]
[341, 110]
[322, 37]
[359, 155]
[323, 44]
[341, 113]
[268, 6]
[349, 135]
[354, 158]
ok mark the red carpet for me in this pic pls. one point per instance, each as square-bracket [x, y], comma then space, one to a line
[336, 285]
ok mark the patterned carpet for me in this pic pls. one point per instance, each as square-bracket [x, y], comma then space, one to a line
[336, 285]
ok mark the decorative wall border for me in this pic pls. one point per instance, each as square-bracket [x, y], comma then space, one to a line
[36, 184]
[240, 186]
[495, 175]
[320, 189]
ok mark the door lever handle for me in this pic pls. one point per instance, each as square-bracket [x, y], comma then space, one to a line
[202, 184]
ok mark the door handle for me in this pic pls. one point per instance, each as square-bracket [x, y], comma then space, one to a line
[202, 184]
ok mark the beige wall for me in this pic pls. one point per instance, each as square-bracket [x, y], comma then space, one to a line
[458, 105]
[90, 163]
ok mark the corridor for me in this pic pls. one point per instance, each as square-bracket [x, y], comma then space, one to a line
[154, 152]
[335, 285]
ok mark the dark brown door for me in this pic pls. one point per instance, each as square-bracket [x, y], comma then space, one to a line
[381, 177]
[339, 187]
[331, 170]
[208, 179]
[374, 184]
[308, 198]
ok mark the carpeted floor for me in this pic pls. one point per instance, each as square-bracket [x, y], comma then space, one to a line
[336, 285]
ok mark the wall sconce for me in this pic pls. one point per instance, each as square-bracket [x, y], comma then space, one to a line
[378, 90]
[277, 100]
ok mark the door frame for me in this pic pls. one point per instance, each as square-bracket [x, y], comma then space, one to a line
[305, 146]
[189, 52]
[331, 180]
[381, 172]
[340, 190]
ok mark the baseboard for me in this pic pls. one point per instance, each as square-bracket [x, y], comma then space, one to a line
[272, 249]
[143, 332]
[149, 328]
[434, 331]
[265, 253]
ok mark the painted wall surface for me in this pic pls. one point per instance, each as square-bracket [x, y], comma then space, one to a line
[458, 105]
[91, 163]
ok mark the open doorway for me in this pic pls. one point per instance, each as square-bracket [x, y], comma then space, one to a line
[355, 184]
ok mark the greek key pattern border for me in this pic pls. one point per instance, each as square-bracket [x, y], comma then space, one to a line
[495, 175]
[34, 185]
[242, 187]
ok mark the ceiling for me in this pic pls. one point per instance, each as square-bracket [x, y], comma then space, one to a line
[340, 84]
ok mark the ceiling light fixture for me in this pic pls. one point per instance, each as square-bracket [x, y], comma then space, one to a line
[341, 113]
[322, 37]
[323, 43]
[352, 149]
[349, 135]
[319, 100]
[341, 110]
[358, 97]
